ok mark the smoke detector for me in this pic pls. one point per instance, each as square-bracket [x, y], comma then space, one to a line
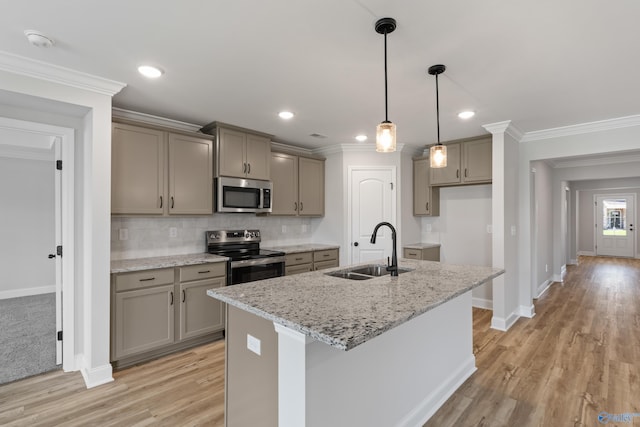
[38, 39]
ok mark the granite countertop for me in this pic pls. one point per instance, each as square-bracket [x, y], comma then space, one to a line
[346, 313]
[421, 245]
[138, 264]
[307, 247]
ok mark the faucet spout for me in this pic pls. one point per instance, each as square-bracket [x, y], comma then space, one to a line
[393, 267]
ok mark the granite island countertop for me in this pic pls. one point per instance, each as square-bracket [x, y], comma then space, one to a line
[139, 264]
[346, 313]
[306, 247]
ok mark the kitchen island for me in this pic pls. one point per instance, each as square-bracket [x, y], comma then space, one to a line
[386, 351]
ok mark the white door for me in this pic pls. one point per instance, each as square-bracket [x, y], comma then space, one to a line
[372, 200]
[57, 146]
[615, 217]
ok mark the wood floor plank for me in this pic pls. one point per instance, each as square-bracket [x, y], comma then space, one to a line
[577, 357]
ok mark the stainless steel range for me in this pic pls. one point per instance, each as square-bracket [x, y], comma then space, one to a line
[248, 262]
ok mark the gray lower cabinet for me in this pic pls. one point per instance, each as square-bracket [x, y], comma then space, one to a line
[304, 262]
[427, 254]
[158, 311]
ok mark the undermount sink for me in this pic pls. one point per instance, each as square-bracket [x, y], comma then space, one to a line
[364, 272]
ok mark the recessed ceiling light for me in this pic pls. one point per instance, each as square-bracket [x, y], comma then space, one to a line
[150, 71]
[466, 114]
[38, 39]
[285, 115]
[361, 138]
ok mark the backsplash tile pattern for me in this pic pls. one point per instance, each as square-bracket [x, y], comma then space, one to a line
[149, 237]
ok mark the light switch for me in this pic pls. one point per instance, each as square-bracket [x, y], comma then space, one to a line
[513, 230]
[253, 344]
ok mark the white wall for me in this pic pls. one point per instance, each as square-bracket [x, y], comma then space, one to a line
[62, 100]
[542, 226]
[463, 229]
[27, 227]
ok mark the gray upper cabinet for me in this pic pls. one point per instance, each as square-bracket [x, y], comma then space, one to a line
[468, 162]
[155, 172]
[298, 185]
[426, 199]
[243, 154]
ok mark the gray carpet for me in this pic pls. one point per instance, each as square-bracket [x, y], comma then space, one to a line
[27, 336]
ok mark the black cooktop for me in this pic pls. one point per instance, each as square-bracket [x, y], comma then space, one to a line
[249, 254]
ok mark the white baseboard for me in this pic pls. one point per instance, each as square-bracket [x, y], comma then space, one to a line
[586, 253]
[527, 311]
[425, 409]
[503, 324]
[487, 304]
[542, 288]
[97, 376]
[573, 262]
[16, 293]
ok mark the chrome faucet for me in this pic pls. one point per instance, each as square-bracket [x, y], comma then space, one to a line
[393, 267]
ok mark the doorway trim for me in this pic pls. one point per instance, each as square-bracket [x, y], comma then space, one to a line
[66, 137]
[596, 209]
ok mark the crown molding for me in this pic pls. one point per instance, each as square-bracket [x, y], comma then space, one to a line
[53, 73]
[121, 113]
[595, 161]
[360, 147]
[598, 126]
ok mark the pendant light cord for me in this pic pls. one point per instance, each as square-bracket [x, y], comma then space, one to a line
[386, 115]
[438, 109]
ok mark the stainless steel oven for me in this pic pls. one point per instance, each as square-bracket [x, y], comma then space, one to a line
[247, 261]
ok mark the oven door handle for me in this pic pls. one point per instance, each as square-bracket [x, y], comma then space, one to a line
[257, 261]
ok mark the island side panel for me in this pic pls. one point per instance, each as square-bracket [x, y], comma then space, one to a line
[251, 379]
[399, 378]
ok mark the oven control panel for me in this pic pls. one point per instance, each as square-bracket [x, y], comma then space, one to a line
[220, 236]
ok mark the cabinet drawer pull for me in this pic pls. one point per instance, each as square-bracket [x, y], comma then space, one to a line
[298, 259]
[148, 279]
[184, 295]
[413, 253]
[171, 303]
[160, 202]
[326, 255]
[204, 272]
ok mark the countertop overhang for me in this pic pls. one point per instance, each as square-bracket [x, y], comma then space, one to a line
[346, 313]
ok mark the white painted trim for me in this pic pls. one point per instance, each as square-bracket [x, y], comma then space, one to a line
[97, 376]
[56, 74]
[430, 405]
[573, 262]
[542, 288]
[595, 161]
[120, 113]
[361, 147]
[298, 336]
[279, 146]
[563, 272]
[487, 304]
[524, 311]
[598, 126]
[26, 292]
[502, 324]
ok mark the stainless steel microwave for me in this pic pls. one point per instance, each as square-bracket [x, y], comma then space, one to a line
[243, 195]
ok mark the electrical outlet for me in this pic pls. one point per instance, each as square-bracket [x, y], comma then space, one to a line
[253, 344]
[304, 228]
[428, 228]
[173, 232]
[284, 229]
[123, 234]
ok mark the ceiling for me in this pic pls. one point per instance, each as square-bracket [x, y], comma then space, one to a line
[542, 64]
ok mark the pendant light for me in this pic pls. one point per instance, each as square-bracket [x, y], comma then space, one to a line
[438, 152]
[385, 131]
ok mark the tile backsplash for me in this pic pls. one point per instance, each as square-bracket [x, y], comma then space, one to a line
[147, 237]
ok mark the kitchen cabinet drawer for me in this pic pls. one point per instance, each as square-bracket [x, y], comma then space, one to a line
[321, 265]
[425, 254]
[143, 279]
[297, 269]
[325, 255]
[298, 258]
[202, 271]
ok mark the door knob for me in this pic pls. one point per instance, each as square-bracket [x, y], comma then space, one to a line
[355, 243]
[51, 256]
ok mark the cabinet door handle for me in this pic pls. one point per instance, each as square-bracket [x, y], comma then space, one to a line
[249, 168]
[301, 207]
[457, 173]
[465, 172]
[427, 205]
[204, 272]
[171, 303]
[160, 202]
[148, 279]
[172, 202]
[295, 206]
[184, 296]
[244, 168]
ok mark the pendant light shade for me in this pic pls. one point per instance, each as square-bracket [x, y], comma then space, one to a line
[385, 131]
[438, 152]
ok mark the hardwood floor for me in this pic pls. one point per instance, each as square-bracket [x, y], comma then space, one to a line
[579, 356]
